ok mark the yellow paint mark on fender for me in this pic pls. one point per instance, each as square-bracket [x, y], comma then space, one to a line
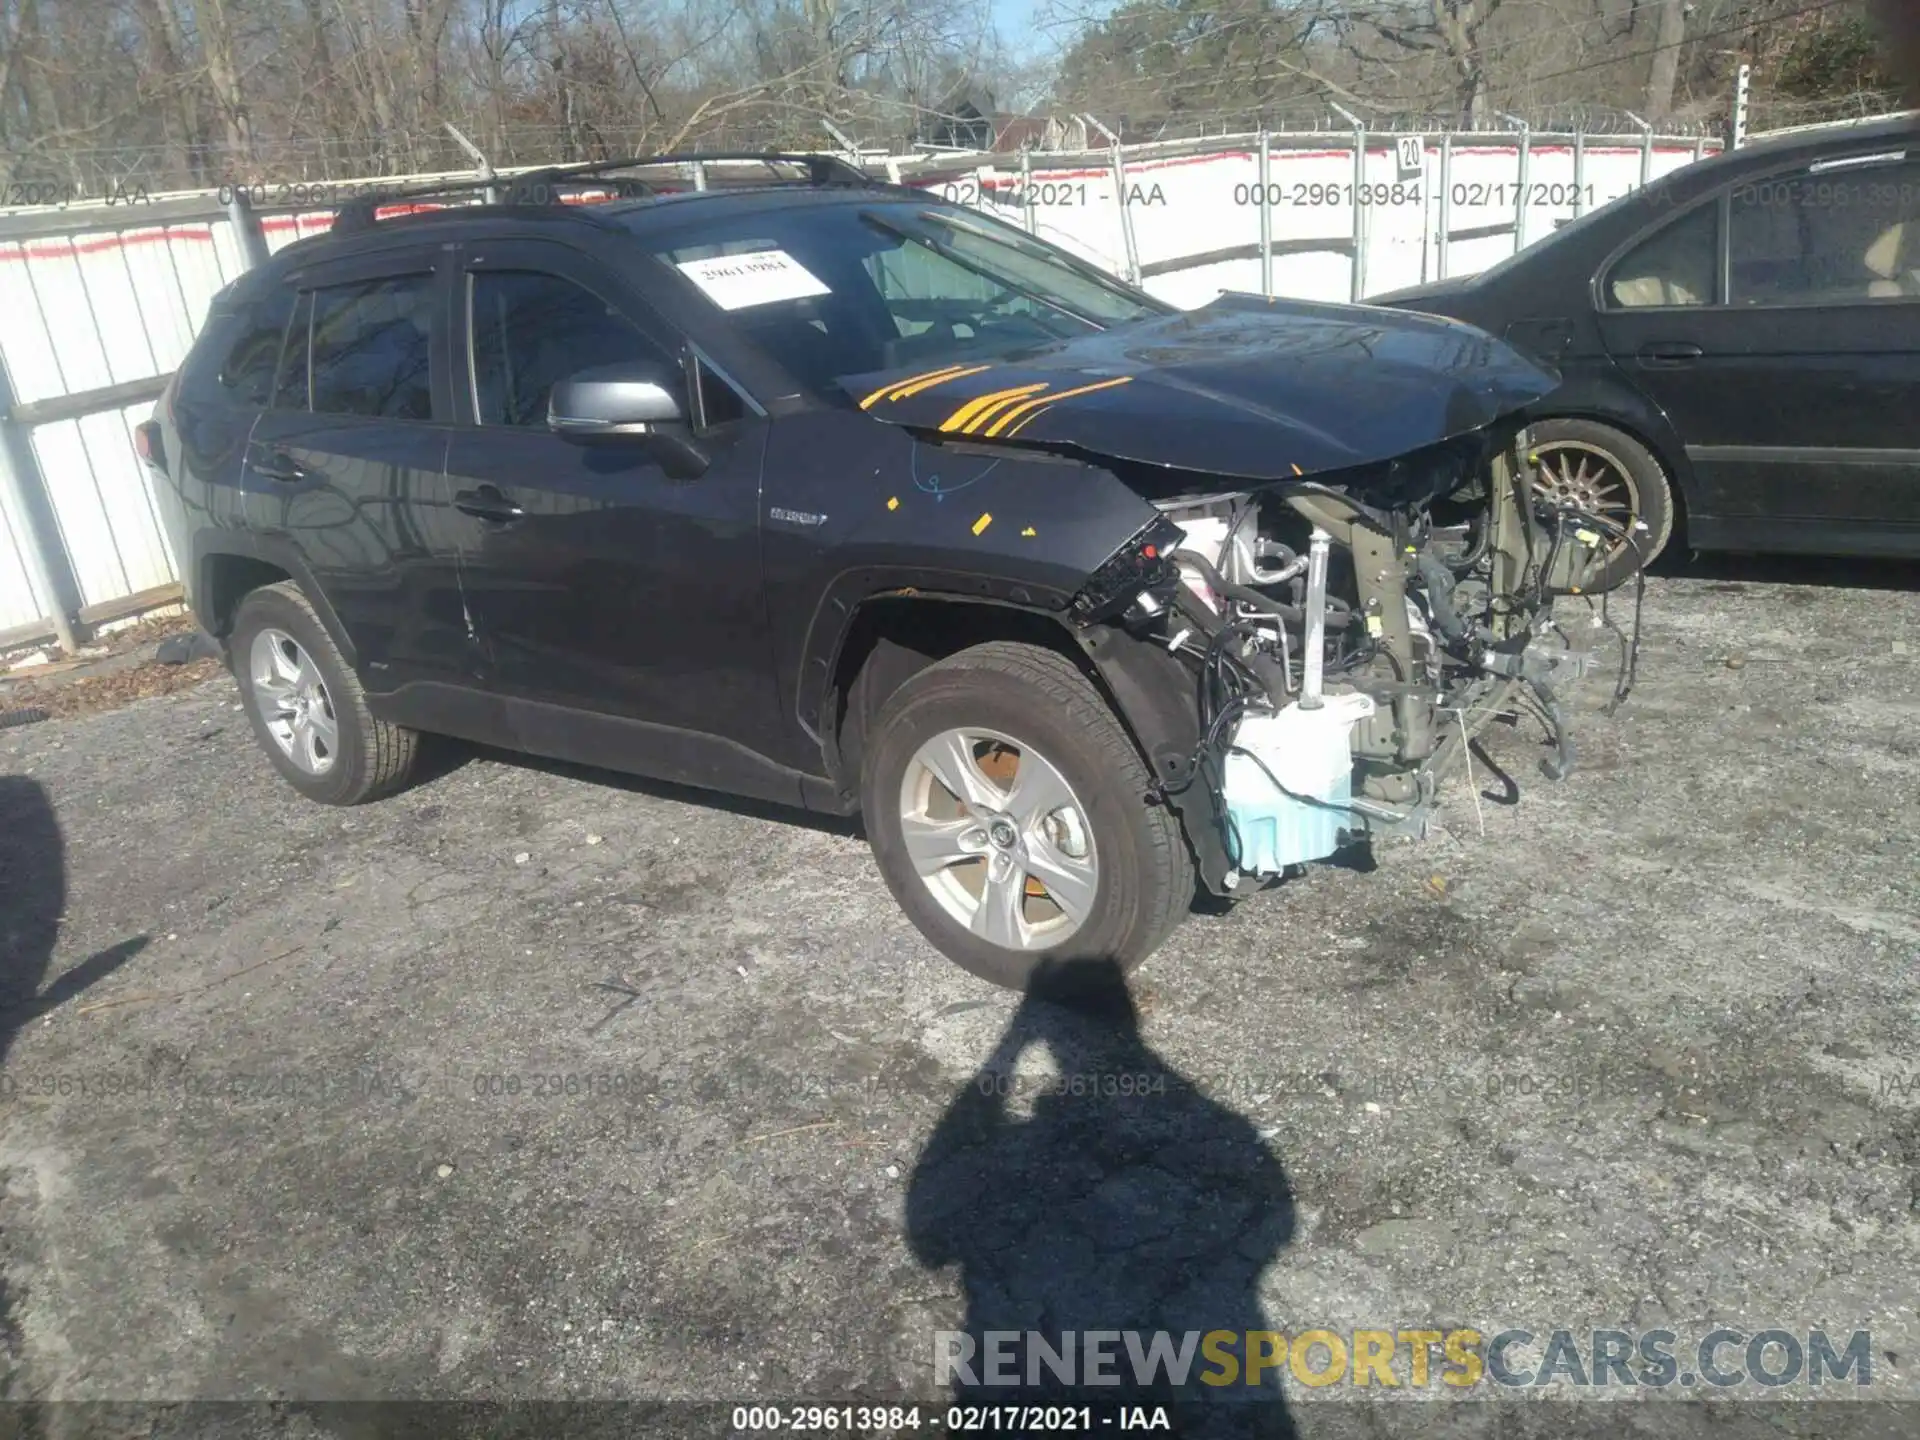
[978, 409]
[894, 503]
[982, 523]
[915, 387]
[1026, 405]
[910, 380]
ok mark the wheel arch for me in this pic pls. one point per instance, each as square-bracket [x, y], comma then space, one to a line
[1639, 420]
[891, 638]
[226, 573]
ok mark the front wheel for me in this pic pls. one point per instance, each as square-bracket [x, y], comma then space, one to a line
[1608, 473]
[1010, 815]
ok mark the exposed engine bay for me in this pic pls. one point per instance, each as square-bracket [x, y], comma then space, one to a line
[1349, 634]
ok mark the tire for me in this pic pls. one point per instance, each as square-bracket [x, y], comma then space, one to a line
[1141, 875]
[1649, 495]
[365, 758]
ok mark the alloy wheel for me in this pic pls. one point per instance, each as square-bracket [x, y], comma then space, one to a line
[293, 701]
[1573, 472]
[999, 838]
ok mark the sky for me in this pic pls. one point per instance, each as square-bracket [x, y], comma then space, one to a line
[1014, 19]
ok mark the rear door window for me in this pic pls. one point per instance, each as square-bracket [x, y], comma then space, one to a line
[290, 390]
[1830, 234]
[371, 349]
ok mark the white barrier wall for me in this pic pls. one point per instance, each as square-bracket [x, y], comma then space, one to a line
[85, 311]
[1196, 204]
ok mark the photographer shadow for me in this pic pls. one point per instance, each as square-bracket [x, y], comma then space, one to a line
[1124, 1201]
[33, 901]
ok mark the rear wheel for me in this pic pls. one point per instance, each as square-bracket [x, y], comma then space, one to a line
[1008, 810]
[1609, 473]
[307, 707]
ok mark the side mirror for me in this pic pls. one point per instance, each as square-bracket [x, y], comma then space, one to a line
[612, 400]
[628, 402]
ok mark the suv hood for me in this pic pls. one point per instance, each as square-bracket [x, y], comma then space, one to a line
[1245, 387]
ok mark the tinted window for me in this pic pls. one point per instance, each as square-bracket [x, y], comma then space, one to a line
[370, 349]
[1677, 266]
[720, 403]
[246, 375]
[833, 290]
[1833, 236]
[531, 331]
[291, 391]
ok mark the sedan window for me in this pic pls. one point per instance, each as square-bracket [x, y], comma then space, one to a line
[1833, 236]
[1676, 267]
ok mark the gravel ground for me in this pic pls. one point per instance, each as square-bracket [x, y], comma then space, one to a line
[535, 1083]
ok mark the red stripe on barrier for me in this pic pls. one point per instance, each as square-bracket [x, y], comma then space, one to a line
[67, 249]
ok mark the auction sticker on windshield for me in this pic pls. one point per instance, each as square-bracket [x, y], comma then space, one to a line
[759, 277]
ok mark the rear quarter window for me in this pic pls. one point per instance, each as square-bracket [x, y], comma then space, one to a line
[239, 351]
[1676, 266]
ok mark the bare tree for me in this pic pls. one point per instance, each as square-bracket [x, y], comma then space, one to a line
[1665, 65]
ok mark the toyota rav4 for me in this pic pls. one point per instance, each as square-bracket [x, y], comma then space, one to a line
[810, 488]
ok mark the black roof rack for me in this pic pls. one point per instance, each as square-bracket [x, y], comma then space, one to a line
[545, 186]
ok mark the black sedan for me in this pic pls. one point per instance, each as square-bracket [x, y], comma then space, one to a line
[1738, 344]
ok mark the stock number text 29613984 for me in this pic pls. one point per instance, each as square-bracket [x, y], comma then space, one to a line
[1068, 1421]
[1303, 192]
[318, 193]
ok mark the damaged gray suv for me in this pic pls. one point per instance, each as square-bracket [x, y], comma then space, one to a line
[818, 490]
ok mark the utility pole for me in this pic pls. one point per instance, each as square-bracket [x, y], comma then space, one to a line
[1669, 35]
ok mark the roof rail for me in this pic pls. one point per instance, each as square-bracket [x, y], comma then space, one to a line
[544, 186]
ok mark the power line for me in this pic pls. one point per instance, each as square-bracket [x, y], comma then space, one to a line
[1696, 39]
[1238, 19]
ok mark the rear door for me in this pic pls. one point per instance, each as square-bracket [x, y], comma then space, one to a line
[347, 466]
[1778, 325]
[622, 608]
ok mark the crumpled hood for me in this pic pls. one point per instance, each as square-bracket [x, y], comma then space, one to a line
[1243, 387]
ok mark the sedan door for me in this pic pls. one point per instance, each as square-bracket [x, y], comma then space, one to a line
[1778, 326]
[617, 593]
[345, 471]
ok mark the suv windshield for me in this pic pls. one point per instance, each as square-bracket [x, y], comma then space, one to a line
[839, 289]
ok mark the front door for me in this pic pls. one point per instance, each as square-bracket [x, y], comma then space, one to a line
[620, 606]
[347, 466]
[1792, 370]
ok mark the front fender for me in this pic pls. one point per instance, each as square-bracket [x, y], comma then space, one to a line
[857, 509]
[1158, 701]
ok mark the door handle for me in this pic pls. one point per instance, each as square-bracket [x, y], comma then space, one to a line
[487, 503]
[1669, 353]
[278, 465]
